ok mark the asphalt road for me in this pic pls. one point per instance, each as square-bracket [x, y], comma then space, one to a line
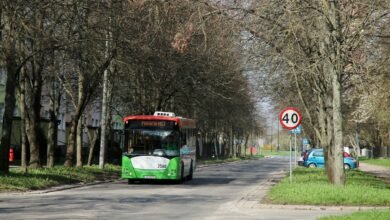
[216, 192]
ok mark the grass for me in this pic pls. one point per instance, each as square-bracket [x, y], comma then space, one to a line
[227, 160]
[277, 153]
[380, 162]
[310, 186]
[366, 215]
[43, 178]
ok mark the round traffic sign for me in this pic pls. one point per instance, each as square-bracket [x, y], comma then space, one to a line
[290, 118]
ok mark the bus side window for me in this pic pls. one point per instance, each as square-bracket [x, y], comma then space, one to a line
[129, 142]
[190, 137]
[183, 137]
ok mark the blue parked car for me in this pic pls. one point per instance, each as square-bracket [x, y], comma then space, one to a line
[315, 158]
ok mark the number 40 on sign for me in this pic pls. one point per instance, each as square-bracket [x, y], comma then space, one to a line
[290, 118]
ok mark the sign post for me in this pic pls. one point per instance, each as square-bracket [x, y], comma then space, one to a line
[290, 118]
[295, 150]
[295, 131]
[290, 159]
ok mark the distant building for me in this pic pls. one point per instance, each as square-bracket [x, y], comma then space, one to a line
[91, 117]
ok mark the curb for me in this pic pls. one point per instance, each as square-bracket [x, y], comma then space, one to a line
[321, 208]
[62, 187]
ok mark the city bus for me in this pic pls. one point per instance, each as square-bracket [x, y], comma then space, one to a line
[161, 146]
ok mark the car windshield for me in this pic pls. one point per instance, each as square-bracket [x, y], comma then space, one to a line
[153, 142]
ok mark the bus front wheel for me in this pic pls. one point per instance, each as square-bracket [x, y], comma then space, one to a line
[190, 176]
[181, 178]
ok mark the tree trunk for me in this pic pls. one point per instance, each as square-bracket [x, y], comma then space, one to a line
[109, 132]
[329, 140]
[103, 123]
[326, 133]
[232, 147]
[322, 121]
[335, 75]
[9, 103]
[32, 135]
[23, 135]
[52, 137]
[82, 99]
[338, 133]
[92, 143]
[53, 128]
[246, 144]
[79, 140]
[71, 143]
[34, 117]
[215, 146]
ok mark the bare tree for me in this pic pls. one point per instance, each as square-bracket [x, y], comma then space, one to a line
[310, 43]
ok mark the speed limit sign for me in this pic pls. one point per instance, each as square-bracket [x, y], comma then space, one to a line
[290, 118]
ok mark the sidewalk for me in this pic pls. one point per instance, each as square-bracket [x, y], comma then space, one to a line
[378, 171]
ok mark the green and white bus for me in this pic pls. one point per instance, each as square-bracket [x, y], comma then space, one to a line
[160, 146]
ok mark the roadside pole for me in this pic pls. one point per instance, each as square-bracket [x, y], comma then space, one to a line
[295, 149]
[290, 160]
[290, 119]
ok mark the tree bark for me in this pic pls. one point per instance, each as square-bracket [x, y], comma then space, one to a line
[75, 119]
[335, 75]
[105, 102]
[22, 106]
[53, 127]
[79, 140]
[92, 143]
[32, 135]
[34, 117]
[9, 103]
[71, 143]
[339, 178]
[103, 123]
[52, 137]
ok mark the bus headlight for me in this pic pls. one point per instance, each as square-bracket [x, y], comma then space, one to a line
[128, 172]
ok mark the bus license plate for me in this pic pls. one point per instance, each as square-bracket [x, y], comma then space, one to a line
[149, 177]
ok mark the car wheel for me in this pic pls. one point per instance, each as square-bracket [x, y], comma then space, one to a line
[347, 166]
[312, 165]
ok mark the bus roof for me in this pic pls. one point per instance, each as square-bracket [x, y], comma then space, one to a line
[182, 122]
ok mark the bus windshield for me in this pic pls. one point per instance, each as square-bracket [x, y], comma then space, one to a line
[154, 142]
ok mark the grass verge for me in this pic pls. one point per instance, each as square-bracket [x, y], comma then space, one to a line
[43, 178]
[366, 215]
[380, 162]
[227, 160]
[310, 187]
[277, 153]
